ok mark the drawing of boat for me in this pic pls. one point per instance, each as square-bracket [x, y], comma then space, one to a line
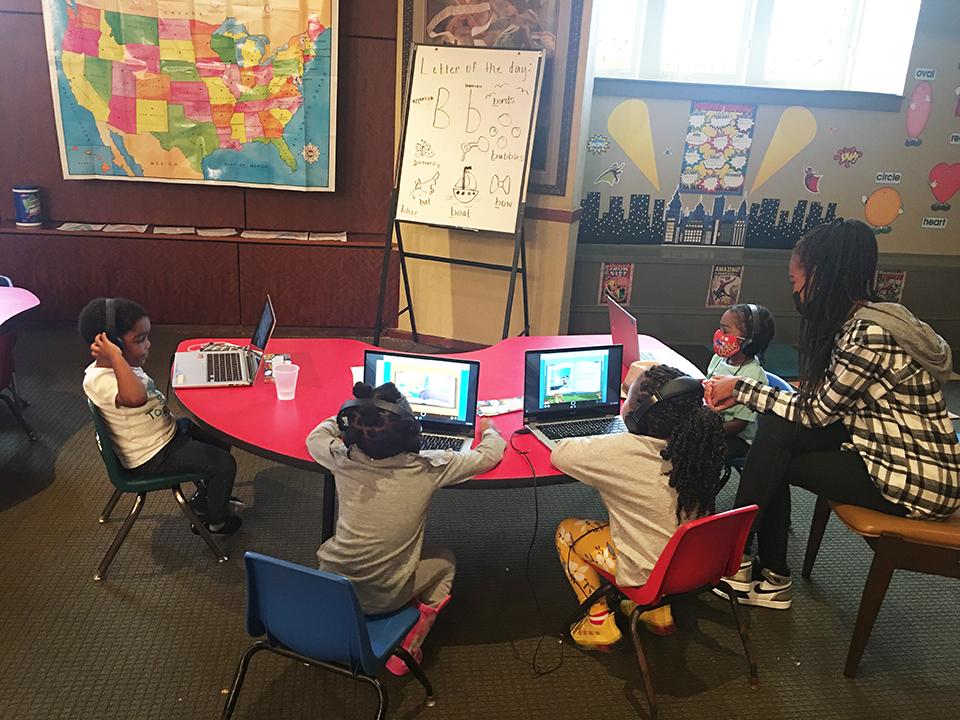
[466, 188]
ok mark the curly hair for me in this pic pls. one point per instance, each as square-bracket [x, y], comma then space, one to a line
[93, 317]
[758, 327]
[695, 444]
[839, 260]
[380, 433]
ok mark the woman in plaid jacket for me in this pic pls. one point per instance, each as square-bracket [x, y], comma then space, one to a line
[869, 425]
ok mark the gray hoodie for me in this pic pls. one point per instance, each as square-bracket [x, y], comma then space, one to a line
[914, 336]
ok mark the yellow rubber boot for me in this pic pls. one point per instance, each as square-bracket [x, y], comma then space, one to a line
[659, 621]
[598, 631]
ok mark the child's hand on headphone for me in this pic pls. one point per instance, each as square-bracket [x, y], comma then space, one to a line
[718, 392]
[103, 348]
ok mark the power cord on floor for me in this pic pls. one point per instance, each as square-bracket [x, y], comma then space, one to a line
[537, 672]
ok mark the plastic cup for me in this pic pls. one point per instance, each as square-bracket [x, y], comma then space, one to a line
[285, 378]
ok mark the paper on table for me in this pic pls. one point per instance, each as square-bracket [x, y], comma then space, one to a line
[357, 373]
[80, 227]
[274, 235]
[216, 232]
[332, 237]
[126, 228]
[173, 230]
[487, 408]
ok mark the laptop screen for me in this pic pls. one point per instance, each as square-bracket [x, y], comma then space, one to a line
[264, 329]
[575, 382]
[442, 393]
[623, 331]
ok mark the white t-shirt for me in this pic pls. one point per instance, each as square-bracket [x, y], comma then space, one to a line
[137, 433]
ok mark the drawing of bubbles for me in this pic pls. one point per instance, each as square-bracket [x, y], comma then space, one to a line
[493, 131]
[515, 132]
[502, 142]
[505, 120]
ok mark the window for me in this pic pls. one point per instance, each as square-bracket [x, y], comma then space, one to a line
[859, 45]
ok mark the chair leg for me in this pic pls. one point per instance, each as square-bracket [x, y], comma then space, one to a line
[584, 607]
[418, 673]
[821, 514]
[642, 659]
[18, 414]
[198, 524]
[881, 570]
[16, 394]
[234, 695]
[108, 508]
[742, 630]
[121, 536]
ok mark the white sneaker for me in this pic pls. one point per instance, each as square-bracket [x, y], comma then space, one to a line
[772, 591]
[743, 580]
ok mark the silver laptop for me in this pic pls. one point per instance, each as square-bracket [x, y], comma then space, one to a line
[442, 394]
[229, 367]
[574, 392]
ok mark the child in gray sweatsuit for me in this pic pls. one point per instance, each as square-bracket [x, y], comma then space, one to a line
[384, 485]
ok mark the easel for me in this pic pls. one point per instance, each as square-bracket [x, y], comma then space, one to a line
[517, 267]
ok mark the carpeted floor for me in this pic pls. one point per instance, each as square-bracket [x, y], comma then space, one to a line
[160, 637]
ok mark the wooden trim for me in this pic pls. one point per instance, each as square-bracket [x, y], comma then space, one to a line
[440, 342]
[706, 92]
[552, 214]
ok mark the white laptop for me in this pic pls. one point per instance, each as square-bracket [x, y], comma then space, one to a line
[228, 367]
[623, 331]
[442, 394]
[574, 392]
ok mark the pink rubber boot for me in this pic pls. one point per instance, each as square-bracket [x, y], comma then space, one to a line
[416, 636]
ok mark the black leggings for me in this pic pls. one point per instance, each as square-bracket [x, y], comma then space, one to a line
[784, 454]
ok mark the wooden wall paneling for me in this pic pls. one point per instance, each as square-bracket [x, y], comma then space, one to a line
[30, 154]
[316, 286]
[367, 18]
[176, 281]
[364, 178]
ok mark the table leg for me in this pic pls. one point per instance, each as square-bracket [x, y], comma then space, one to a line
[329, 515]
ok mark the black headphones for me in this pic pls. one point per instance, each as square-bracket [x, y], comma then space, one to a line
[636, 419]
[111, 313]
[343, 419]
[753, 313]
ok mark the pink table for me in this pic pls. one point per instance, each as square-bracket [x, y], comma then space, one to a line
[14, 300]
[253, 419]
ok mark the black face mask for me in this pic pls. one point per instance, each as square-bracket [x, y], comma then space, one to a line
[802, 306]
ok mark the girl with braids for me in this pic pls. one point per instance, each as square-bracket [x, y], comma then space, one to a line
[869, 425]
[665, 471]
[384, 486]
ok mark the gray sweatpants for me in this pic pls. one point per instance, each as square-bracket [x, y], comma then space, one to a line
[433, 578]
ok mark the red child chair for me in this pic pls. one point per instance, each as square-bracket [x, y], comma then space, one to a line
[697, 558]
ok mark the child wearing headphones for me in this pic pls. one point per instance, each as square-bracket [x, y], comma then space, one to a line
[744, 334]
[384, 486]
[146, 437]
[664, 471]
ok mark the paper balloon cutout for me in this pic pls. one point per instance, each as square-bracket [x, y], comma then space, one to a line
[629, 125]
[796, 129]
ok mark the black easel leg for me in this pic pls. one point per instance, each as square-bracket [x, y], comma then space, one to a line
[384, 273]
[523, 282]
[513, 283]
[406, 285]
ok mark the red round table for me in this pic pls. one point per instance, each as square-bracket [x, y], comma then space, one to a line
[253, 419]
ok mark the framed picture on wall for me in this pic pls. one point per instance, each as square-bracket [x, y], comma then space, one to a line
[528, 24]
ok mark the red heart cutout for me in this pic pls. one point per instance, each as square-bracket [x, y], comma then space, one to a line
[944, 181]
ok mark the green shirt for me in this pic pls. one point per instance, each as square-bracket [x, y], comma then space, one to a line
[750, 369]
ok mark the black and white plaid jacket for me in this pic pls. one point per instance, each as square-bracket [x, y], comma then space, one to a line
[894, 411]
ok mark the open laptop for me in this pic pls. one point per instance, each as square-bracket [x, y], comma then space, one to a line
[228, 367]
[623, 331]
[574, 392]
[442, 394]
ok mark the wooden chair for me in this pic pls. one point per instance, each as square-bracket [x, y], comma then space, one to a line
[926, 546]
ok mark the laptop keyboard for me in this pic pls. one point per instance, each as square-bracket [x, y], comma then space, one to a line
[440, 442]
[224, 367]
[583, 428]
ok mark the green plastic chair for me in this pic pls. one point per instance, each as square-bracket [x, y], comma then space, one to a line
[126, 482]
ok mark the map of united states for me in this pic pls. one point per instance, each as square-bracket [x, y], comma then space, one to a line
[176, 96]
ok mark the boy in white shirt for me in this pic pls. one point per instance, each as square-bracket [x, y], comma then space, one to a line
[146, 437]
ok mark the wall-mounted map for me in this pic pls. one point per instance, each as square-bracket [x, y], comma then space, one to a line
[196, 91]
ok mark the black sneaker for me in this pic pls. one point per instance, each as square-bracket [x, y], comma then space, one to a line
[229, 526]
[198, 502]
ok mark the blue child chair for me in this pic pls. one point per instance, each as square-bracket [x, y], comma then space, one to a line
[314, 617]
[774, 381]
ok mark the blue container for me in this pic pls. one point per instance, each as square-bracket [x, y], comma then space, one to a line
[26, 198]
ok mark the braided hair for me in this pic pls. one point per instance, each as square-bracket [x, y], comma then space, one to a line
[696, 445]
[381, 433]
[839, 260]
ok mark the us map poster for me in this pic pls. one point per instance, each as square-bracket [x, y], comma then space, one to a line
[616, 281]
[195, 91]
[717, 148]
